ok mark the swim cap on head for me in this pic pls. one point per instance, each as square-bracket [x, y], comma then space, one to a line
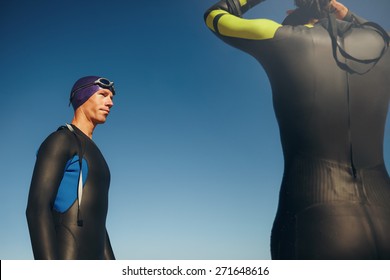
[85, 87]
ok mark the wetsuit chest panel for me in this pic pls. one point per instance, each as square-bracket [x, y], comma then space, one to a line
[91, 236]
[95, 194]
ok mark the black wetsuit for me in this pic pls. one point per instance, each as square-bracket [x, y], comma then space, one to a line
[59, 228]
[335, 196]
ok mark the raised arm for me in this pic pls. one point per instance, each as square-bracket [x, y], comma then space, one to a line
[224, 19]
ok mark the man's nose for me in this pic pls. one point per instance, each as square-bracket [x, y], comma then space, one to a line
[110, 103]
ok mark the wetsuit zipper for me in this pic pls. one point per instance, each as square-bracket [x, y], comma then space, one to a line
[352, 165]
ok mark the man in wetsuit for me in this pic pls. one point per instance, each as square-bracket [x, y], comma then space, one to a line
[67, 209]
[330, 76]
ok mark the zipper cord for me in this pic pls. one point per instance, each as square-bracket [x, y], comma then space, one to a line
[353, 168]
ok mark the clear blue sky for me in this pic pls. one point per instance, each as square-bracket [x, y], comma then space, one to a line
[192, 141]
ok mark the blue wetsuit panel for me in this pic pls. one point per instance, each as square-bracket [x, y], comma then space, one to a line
[67, 191]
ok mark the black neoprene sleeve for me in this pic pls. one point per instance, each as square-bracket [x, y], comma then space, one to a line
[48, 172]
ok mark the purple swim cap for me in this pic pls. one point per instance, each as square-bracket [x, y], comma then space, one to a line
[85, 87]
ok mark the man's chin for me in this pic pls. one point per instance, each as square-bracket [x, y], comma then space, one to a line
[101, 121]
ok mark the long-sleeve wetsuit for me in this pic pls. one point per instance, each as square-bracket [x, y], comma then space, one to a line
[334, 199]
[53, 211]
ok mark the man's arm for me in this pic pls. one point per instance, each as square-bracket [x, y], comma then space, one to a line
[224, 19]
[48, 172]
[235, 7]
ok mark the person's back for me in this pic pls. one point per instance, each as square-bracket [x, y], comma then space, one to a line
[323, 110]
[334, 200]
[335, 195]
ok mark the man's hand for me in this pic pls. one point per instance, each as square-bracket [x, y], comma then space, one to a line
[339, 9]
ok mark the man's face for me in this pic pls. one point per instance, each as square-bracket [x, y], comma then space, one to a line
[97, 107]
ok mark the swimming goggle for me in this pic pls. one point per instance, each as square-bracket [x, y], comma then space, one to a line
[101, 82]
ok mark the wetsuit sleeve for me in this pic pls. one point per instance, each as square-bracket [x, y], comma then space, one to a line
[48, 172]
[108, 252]
[224, 19]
